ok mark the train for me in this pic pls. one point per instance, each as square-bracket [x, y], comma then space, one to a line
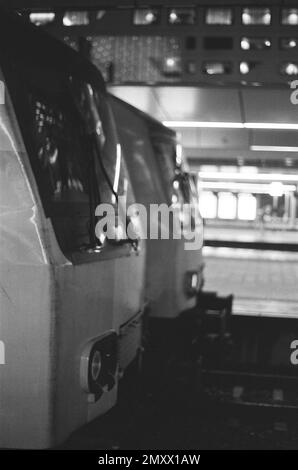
[73, 300]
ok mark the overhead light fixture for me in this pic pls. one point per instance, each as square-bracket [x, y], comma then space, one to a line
[270, 125]
[217, 68]
[190, 124]
[76, 18]
[146, 16]
[288, 43]
[231, 125]
[255, 43]
[245, 44]
[244, 67]
[257, 188]
[289, 68]
[240, 176]
[289, 16]
[41, 18]
[273, 148]
[181, 16]
[219, 16]
[256, 16]
[276, 189]
[172, 66]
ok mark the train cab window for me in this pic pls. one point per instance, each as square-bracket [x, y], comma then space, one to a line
[73, 175]
[111, 154]
[62, 167]
[165, 151]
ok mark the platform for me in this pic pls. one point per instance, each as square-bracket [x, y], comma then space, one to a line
[264, 283]
[251, 235]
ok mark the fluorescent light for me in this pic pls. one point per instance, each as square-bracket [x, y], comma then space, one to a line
[273, 148]
[41, 18]
[270, 125]
[276, 189]
[207, 175]
[244, 68]
[245, 187]
[189, 124]
[232, 125]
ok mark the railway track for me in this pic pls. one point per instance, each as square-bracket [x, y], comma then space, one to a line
[260, 390]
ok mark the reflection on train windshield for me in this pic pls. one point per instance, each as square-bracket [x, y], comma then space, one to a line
[72, 175]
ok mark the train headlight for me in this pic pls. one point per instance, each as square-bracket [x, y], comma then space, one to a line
[99, 364]
[96, 365]
[191, 283]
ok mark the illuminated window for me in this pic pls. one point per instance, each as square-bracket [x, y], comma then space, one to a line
[172, 66]
[227, 206]
[289, 68]
[219, 16]
[244, 67]
[247, 207]
[288, 43]
[76, 18]
[217, 68]
[255, 44]
[256, 16]
[181, 16]
[208, 205]
[146, 16]
[42, 18]
[289, 16]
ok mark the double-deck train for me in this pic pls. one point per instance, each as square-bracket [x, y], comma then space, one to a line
[72, 300]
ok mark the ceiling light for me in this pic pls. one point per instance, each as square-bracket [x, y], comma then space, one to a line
[289, 68]
[173, 17]
[41, 18]
[245, 44]
[276, 189]
[219, 16]
[255, 43]
[76, 18]
[244, 67]
[190, 124]
[256, 16]
[273, 148]
[245, 176]
[288, 43]
[182, 16]
[245, 187]
[145, 17]
[232, 125]
[289, 16]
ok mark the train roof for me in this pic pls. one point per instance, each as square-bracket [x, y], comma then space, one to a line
[154, 125]
[29, 42]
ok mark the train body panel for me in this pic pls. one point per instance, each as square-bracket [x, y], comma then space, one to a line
[168, 263]
[64, 302]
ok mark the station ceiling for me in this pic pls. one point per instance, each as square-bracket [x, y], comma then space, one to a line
[224, 124]
[234, 121]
